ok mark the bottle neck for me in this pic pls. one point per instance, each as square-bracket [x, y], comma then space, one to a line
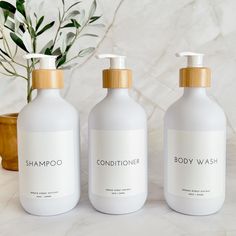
[194, 92]
[118, 92]
[49, 93]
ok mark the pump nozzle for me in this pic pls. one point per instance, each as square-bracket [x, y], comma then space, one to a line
[195, 74]
[47, 76]
[46, 61]
[193, 59]
[116, 61]
[117, 76]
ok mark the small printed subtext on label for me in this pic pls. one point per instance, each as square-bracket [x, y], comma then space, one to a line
[44, 194]
[196, 192]
[118, 191]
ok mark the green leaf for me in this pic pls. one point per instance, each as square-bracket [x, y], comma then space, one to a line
[7, 6]
[68, 47]
[56, 52]
[47, 45]
[73, 5]
[86, 51]
[48, 51]
[94, 18]
[18, 41]
[61, 61]
[69, 37]
[32, 32]
[97, 25]
[46, 27]
[39, 22]
[72, 14]
[66, 42]
[75, 22]
[21, 27]
[63, 44]
[10, 25]
[92, 9]
[6, 14]
[6, 54]
[68, 25]
[20, 7]
[90, 35]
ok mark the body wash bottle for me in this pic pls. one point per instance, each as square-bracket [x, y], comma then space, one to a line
[194, 145]
[48, 145]
[117, 145]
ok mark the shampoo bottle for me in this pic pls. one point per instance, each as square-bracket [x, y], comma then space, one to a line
[194, 145]
[48, 145]
[117, 145]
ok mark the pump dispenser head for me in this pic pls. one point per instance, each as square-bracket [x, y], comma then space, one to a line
[116, 61]
[117, 76]
[46, 61]
[193, 59]
[194, 75]
[47, 76]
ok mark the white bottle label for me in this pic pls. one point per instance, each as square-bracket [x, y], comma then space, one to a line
[47, 164]
[118, 162]
[196, 163]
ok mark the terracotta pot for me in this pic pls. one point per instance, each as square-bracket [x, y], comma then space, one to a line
[8, 141]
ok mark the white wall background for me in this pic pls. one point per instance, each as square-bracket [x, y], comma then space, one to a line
[149, 32]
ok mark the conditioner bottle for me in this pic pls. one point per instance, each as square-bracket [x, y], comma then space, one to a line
[117, 145]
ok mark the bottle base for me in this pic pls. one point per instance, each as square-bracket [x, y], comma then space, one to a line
[50, 207]
[119, 206]
[195, 207]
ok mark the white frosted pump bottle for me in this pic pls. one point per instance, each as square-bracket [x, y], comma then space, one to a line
[194, 145]
[48, 145]
[117, 145]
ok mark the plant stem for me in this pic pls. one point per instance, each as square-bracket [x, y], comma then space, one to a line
[17, 63]
[7, 48]
[29, 89]
[59, 27]
[5, 43]
[2, 73]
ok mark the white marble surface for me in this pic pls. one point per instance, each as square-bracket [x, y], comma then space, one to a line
[149, 32]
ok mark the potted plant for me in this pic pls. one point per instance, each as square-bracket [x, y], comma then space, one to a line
[20, 30]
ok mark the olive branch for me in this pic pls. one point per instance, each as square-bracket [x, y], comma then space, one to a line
[24, 29]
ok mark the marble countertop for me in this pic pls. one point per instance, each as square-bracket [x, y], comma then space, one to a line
[154, 219]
